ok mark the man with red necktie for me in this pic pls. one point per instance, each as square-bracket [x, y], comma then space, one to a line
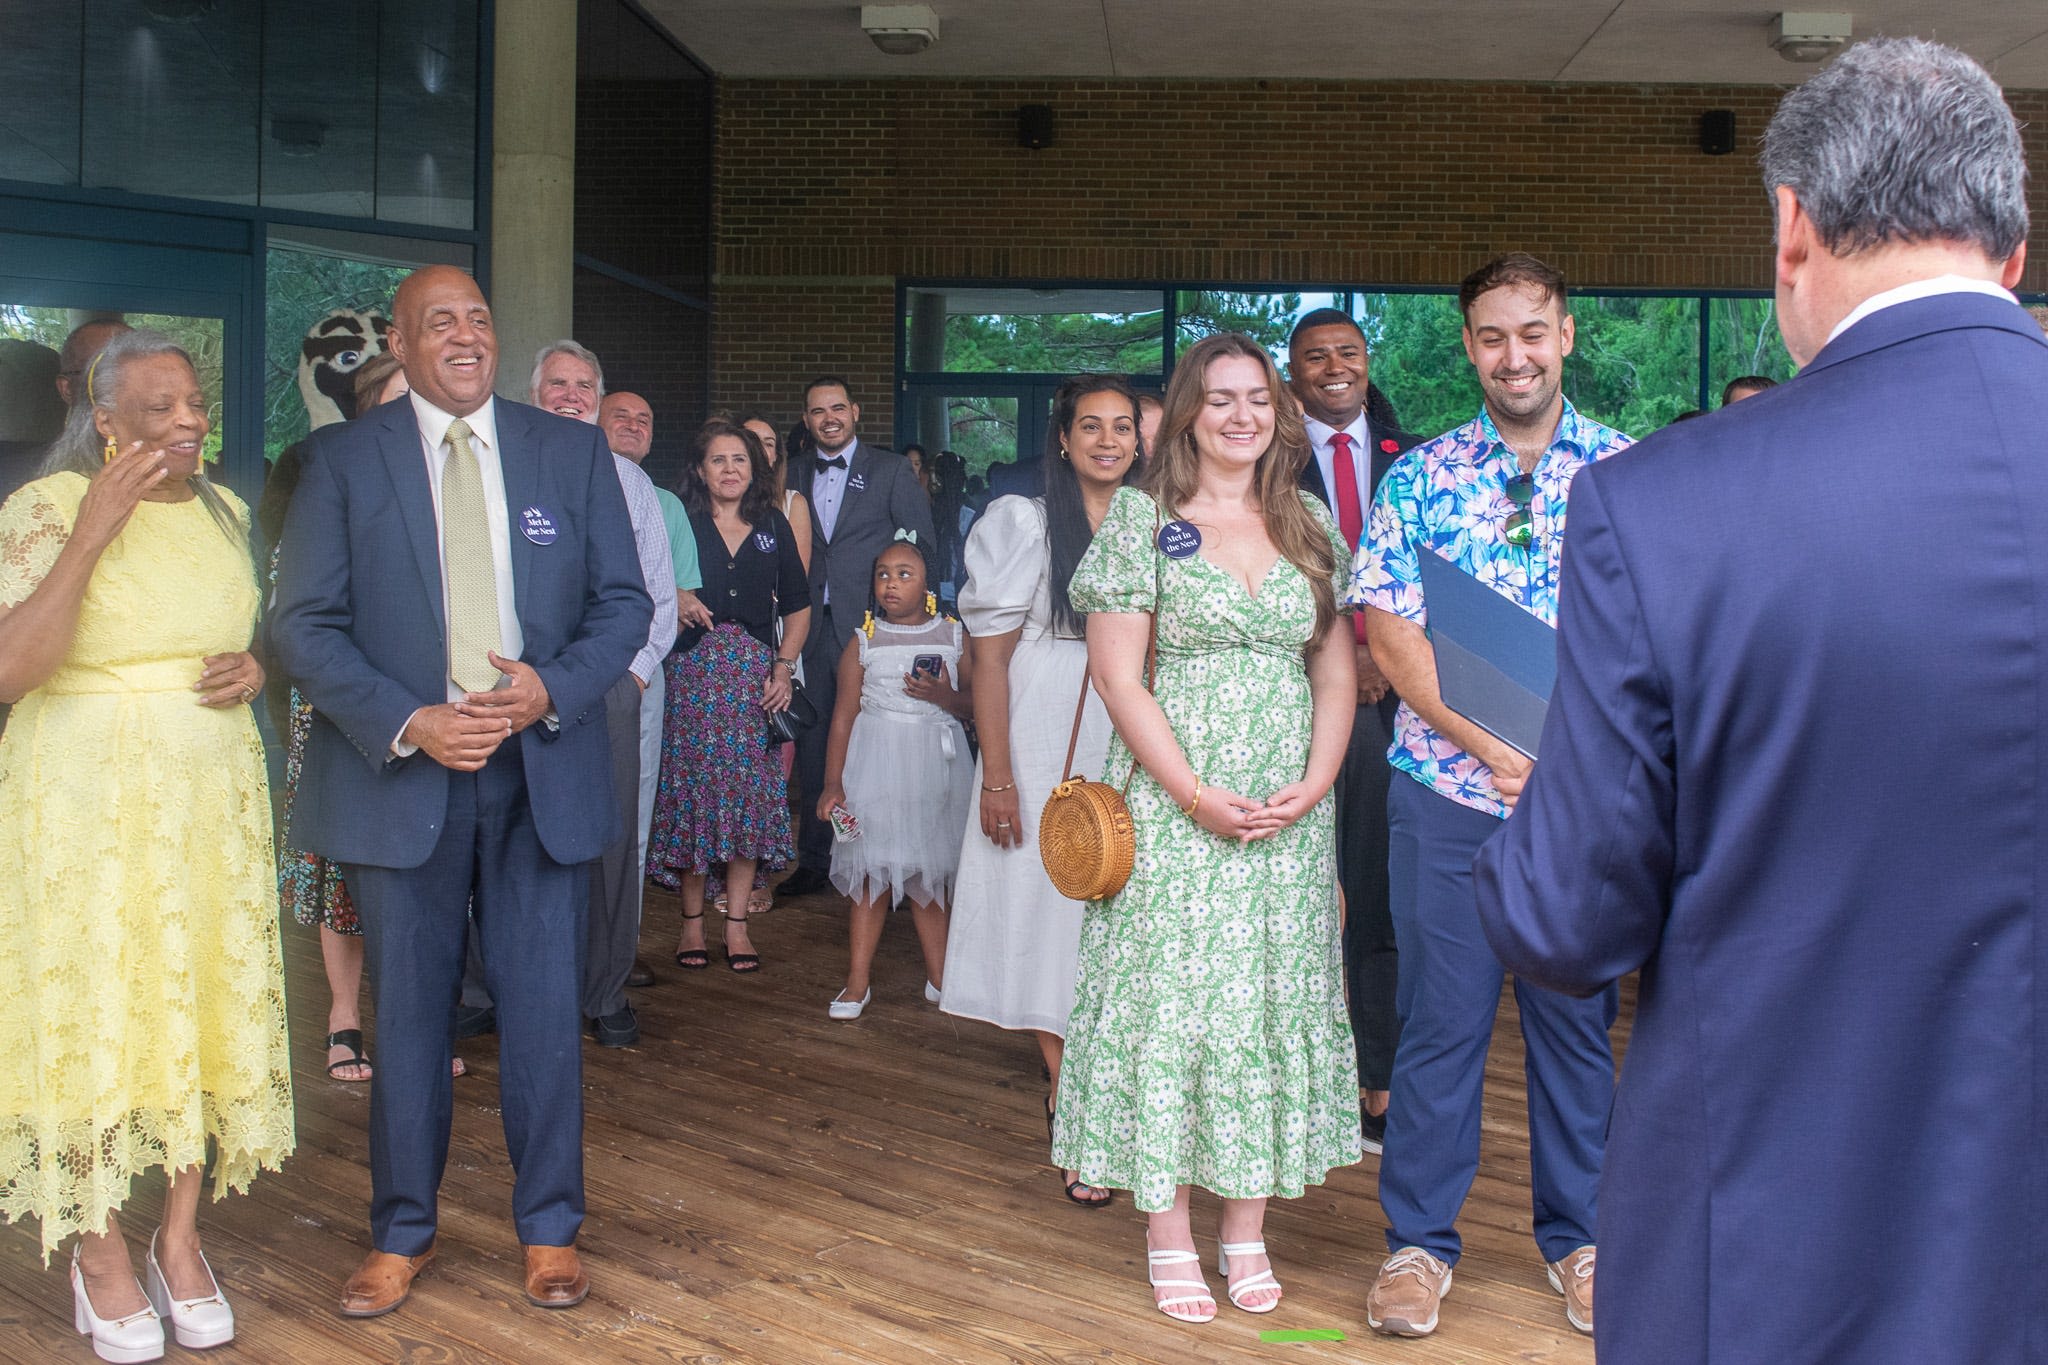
[1328, 365]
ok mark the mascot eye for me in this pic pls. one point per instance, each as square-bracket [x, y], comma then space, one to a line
[350, 357]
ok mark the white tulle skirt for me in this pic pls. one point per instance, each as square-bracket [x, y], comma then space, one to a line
[908, 780]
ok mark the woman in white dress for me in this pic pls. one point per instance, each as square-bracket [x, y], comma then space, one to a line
[1011, 958]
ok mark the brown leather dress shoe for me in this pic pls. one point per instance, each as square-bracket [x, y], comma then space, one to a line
[554, 1277]
[381, 1283]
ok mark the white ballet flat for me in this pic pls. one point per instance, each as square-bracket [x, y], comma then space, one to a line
[931, 992]
[842, 1008]
[197, 1323]
[1154, 1259]
[1250, 1284]
[125, 1341]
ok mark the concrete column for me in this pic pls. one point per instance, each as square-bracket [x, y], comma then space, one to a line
[533, 183]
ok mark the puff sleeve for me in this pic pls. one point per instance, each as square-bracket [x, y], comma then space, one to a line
[1117, 574]
[1007, 555]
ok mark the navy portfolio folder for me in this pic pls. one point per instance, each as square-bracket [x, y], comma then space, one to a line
[1495, 663]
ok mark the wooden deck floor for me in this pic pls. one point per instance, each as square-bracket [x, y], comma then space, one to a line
[768, 1187]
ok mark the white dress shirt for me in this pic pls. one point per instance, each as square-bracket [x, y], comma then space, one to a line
[1920, 289]
[1319, 434]
[650, 539]
[828, 489]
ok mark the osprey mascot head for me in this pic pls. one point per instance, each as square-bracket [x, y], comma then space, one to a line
[334, 349]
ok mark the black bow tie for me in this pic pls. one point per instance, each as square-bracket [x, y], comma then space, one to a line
[831, 462]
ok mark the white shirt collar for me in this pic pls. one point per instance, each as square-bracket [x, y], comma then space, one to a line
[1320, 432]
[1920, 289]
[483, 423]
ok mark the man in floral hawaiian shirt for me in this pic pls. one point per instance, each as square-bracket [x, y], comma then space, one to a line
[1489, 496]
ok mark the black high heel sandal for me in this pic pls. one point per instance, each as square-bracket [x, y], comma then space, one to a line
[739, 962]
[1077, 1183]
[693, 959]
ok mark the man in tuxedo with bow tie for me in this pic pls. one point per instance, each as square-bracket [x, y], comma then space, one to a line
[1328, 370]
[860, 497]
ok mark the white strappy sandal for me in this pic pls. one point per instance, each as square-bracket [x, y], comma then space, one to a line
[1155, 1259]
[1250, 1284]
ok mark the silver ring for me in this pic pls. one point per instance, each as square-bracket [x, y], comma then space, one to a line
[1002, 824]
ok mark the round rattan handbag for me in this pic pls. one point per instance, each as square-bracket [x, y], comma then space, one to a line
[1085, 836]
[1084, 832]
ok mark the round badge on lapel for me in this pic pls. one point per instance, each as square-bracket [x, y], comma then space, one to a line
[537, 526]
[764, 541]
[1179, 539]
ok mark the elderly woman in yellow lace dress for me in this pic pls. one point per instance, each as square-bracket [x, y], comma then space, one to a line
[143, 1014]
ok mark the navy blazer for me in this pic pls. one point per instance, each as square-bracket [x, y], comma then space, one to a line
[358, 626]
[1796, 770]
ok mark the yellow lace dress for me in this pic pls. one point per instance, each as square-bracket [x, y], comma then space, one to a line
[141, 989]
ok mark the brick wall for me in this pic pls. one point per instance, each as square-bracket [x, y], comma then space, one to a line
[827, 192]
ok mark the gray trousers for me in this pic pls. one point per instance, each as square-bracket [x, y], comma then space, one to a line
[618, 875]
[616, 878]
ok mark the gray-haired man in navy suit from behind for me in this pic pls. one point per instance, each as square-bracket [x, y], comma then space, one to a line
[457, 591]
[1793, 772]
[861, 496]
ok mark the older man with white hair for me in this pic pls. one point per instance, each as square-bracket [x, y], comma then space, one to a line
[1793, 772]
[568, 381]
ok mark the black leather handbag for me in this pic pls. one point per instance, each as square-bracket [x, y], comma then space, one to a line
[800, 715]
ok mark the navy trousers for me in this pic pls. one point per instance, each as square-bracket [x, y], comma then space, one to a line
[529, 912]
[1448, 995]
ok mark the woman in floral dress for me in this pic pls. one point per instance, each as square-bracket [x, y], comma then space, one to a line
[1209, 1043]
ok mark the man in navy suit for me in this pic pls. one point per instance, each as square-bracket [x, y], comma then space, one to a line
[458, 590]
[1350, 451]
[1793, 771]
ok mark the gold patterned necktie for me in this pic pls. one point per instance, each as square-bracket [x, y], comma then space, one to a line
[468, 567]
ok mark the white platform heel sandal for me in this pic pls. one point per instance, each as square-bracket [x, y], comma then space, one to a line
[1156, 1259]
[125, 1341]
[1250, 1284]
[197, 1323]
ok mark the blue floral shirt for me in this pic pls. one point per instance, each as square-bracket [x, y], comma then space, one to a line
[1449, 496]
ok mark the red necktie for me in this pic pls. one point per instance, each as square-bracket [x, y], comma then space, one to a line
[1350, 518]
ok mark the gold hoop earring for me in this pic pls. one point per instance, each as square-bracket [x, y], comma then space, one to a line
[1063, 453]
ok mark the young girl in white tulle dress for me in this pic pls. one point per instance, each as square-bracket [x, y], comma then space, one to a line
[898, 776]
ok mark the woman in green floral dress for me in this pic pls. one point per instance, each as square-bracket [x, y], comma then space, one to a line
[1209, 1043]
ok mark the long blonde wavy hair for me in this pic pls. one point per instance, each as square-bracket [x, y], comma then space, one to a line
[1174, 471]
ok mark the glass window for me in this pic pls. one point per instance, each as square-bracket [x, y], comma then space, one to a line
[1745, 341]
[170, 103]
[653, 346]
[426, 113]
[980, 429]
[1035, 331]
[203, 339]
[319, 135]
[1635, 361]
[1267, 318]
[309, 276]
[1418, 359]
[39, 93]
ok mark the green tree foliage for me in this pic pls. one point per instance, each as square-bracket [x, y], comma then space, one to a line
[1265, 318]
[1053, 343]
[982, 431]
[1418, 360]
[1636, 361]
[1746, 341]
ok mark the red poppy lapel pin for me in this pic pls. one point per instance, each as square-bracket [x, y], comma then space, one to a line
[1391, 446]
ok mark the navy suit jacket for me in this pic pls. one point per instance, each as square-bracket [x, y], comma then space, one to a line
[1796, 770]
[359, 628]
